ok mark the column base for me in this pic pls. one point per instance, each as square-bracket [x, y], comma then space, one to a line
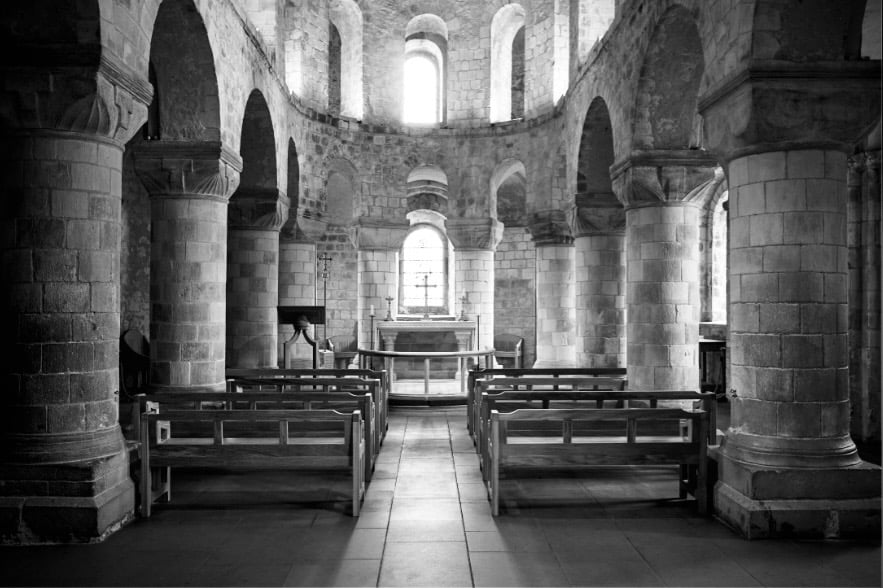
[799, 503]
[65, 503]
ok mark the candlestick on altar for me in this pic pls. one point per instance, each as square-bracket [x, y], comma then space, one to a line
[389, 300]
[463, 301]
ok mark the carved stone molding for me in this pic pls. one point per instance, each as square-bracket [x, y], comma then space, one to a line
[370, 233]
[174, 169]
[102, 98]
[482, 234]
[662, 177]
[774, 105]
[302, 228]
[550, 227]
[258, 208]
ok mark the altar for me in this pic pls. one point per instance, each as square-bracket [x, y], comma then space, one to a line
[427, 336]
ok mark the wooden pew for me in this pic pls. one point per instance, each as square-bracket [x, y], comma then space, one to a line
[380, 398]
[508, 401]
[537, 382]
[291, 384]
[511, 456]
[479, 373]
[343, 401]
[341, 448]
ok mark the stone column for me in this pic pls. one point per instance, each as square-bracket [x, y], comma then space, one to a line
[255, 218]
[378, 244]
[297, 276]
[600, 286]
[660, 192]
[788, 465]
[475, 241]
[64, 466]
[863, 234]
[189, 186]
[556, 292]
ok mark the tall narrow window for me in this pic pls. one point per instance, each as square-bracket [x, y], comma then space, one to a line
[424, 272]
[334, 64]
[421, 90]
[507, 24]
[425, 70]
[518, 74]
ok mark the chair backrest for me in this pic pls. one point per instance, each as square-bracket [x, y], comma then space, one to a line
[507, 342]
[341, 343]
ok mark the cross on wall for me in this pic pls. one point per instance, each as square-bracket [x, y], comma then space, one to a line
[426, 286]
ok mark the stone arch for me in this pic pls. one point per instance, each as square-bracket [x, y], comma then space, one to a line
[426, 36]
[596, 156]
[427, 189]
[257, 146]
[346, 17]
[665, 115]
[187, 89]
[506, 24]
[341, 192]
[508, 189]
[67, 25]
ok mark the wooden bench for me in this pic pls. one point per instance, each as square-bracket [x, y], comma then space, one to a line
[296, 384]
[536, 382]
[340, 448]
[508, 401]
[511, 456]
[381, 397]
[255, 400]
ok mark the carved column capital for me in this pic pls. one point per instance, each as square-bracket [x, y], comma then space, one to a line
[664, 177]
[202, 169]
[594, 219]
[772, 105]
[258, 208]
[855, 169]
[372, 233]
[302, 228]
[550, 227]
[92, 95]
[477, 234]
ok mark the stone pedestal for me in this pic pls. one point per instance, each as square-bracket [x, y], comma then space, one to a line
[255, 217]
[556, 290]
[189, 185]
[600, 287]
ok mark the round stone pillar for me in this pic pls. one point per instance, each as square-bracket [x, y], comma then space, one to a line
[661, 192]
[297, 283]
[663, 296]
[475, 241]
[378, 244]
[555, 289]
[787, 466]
[61, 263]
[255, 219]
[600, 287]
[189, 185]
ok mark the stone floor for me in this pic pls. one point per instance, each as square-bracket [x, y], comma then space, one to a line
[426, 522]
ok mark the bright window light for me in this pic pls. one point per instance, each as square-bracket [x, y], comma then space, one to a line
[421, 90]
[423, 264]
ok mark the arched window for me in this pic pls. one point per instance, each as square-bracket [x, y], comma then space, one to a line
[345, 58]
[506, 27]
[719, 261]
[424, 271]
[425, 71]
[421, 89]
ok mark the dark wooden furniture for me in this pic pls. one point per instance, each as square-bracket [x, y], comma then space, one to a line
[344, 350]
[510, 348]
[570, 450]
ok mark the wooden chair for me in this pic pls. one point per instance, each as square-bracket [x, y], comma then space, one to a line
[509, 347]
[344, 349]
